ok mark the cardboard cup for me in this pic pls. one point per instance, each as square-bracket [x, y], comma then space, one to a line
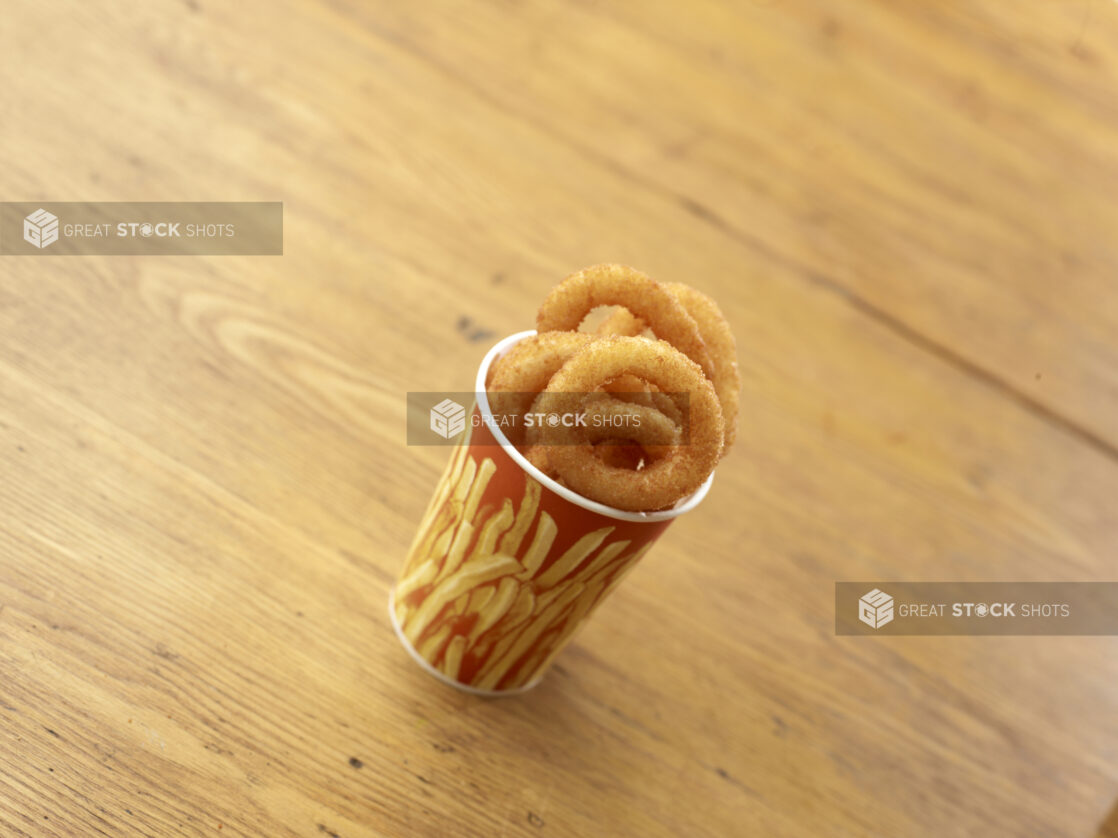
[507, 564]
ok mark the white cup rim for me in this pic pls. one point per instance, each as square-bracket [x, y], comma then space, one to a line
[482, 397]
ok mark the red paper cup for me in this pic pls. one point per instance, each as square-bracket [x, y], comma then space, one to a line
[507, 564]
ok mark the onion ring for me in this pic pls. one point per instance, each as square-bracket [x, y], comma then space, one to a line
[609, 423]
[719, 340]
[630, 388]
[661, 484]
[603, 418]
[717, 336]
[516, 378]
[537, 456]
[571, 300]
[621, 322]
[608, 417]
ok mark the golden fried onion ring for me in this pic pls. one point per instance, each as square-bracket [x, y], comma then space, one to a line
[719, 340]
[571, 300]
[516, 378]
[666, 480]
[717, 336]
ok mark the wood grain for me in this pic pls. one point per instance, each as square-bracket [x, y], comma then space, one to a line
[932, 119]
[205, 495]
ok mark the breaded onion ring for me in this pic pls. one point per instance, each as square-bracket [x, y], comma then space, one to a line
[537, 456]
[644, 424]
[665, 481]
[571, 300]
[605, 417]
[717, 336]
[719, 340]
[621, 322]
[516, 378]
[649, 433]
[632, 389]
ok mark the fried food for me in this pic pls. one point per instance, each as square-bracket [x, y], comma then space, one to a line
[663, 482]
[571, 300]
[516, 378]
[656, 412]
[717, 336]
[632, 389]
[720, 343]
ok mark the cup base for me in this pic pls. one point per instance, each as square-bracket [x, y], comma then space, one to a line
[441, 676]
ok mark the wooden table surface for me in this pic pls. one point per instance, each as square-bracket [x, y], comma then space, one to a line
[907, 210]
